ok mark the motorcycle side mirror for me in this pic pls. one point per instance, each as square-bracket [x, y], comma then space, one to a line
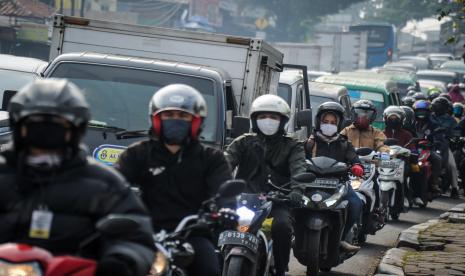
[304, 178]
[304, 118]
[7, 95]
[231, 188]
[391, 142]
[363, 151]
[115, 225]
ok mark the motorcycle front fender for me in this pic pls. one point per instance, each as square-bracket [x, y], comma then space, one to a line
[243, 252]
[387, 185]
[316, 222]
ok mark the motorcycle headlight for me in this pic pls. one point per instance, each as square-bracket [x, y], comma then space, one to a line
[335, 197]
[160, 265]
[21, 269]
[245, 218]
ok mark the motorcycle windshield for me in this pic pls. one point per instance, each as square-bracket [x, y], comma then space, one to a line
[326, 166]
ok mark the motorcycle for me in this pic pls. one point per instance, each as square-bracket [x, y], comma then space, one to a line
[248, 251]
[23, 259]
[392, 180]
[320, 220]
[174, 253]
[423, 178]
[363, 187]
[458, 147]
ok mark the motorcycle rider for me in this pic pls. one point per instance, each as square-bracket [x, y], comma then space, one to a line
[457, 111]
[440, 107]
[174, 171]
[455, 95]
[409, 121]
[433, 93]
[408, 101]
[52, 194]
[326, 141]
[419, 96]
[394, 116]
[268, 152]
[361, 133]
[426, 126]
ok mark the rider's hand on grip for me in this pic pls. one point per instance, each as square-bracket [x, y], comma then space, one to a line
[296, 197]
[357, 170]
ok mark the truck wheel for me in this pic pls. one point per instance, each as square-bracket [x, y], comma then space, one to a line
[313, 253]
[236, 267]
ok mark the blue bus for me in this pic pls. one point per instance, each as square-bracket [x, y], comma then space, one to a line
[382, 42]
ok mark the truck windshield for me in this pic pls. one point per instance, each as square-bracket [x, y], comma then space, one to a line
[119, 97]
[376, 98]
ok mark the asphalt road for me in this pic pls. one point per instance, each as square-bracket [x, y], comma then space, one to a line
[366, 260]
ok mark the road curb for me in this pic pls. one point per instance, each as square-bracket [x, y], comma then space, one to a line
[421, 246]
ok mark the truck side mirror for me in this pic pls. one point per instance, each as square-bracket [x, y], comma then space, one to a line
[304, 118]
[240, 125]
[7, 95]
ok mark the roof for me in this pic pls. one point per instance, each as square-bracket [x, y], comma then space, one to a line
[359, 82]
[141, 63]
[290, 76]
[453, 64]
[436, 73]
[22, 64]
[326, 90]
[25, 8]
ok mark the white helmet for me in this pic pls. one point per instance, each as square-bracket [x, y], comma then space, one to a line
[270, 103]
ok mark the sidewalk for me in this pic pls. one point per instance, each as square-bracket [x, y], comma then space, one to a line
[436, 247]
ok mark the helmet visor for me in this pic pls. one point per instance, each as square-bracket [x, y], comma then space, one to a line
[364, 112]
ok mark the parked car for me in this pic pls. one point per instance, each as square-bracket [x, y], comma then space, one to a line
[15, 72]
[454, 66]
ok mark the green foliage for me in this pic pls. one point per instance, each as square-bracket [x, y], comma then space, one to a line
[295, 18]
[398, 12]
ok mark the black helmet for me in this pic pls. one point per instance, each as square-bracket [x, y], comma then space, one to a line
[330, 107]
[56, 97]
[178, 97]
[394, 110]
[419, 96]
[410, 93]
[445, 95]
[441, 106]
[363, 113]
[408, 101]
[409, 120]
[49, 99]
[422, 109]
[433, 95]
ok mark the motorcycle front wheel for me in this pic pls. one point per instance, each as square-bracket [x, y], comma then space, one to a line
[384, 199]
[237, 266]
[313, 253]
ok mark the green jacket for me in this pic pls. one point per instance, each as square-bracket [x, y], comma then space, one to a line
[257, 157]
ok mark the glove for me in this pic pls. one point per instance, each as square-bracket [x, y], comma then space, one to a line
[357, 170]
[228, 218]
[113, 265]
[296, 197]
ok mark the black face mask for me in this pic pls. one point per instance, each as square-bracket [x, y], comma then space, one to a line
[45, 135]
[393, 123]
[175, 132]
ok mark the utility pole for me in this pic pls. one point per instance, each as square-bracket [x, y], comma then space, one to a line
[61, 6]
[82, 8]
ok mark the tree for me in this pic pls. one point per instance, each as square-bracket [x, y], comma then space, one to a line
[398, 12]
[295, 18]
[455, 10]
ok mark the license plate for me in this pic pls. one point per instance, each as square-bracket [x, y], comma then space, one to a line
[389, 164]
[325, 183]
[238, 238]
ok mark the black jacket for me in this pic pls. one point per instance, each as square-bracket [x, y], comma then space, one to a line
[257, 156]
[78, 194]
[339, 149]
[173, 185]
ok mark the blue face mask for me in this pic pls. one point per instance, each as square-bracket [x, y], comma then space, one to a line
[175, 132]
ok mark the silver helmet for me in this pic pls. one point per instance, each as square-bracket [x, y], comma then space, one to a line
[270, 103]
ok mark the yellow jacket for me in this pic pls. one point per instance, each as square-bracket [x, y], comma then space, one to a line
[371, 137]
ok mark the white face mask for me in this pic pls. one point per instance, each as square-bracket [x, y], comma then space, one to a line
[328, 129]
[268, 126]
